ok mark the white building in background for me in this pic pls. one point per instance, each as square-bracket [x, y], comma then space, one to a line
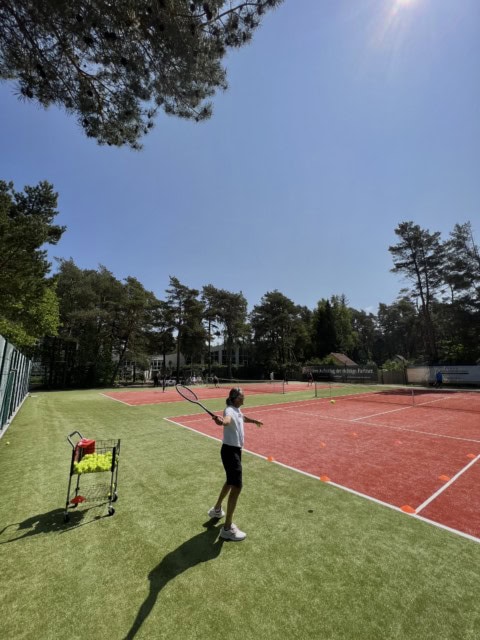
[218, 354]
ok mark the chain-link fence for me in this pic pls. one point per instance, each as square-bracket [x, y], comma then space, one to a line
[15, 371]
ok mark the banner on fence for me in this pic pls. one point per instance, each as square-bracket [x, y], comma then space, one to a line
[342, 374]
[450, 374]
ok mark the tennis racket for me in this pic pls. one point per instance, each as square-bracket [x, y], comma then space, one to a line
[191, 396]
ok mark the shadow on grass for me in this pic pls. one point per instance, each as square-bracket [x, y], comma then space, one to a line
[201, 548]
[51, 521]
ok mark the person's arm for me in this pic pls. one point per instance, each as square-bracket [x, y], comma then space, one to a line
[252, 421]
[226, 419]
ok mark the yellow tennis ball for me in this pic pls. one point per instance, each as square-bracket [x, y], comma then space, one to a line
[332, 401]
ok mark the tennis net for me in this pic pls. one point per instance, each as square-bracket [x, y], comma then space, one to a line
[249, 386]
[452, 399]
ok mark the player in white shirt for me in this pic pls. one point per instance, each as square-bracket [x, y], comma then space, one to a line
[231, 453]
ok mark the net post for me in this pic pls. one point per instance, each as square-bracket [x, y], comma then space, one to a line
[316, 391]
[413, 397]
[283, 386]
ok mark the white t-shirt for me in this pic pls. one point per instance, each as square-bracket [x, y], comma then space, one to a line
[233, 432]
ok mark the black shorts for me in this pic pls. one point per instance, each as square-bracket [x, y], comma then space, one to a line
[232, 462]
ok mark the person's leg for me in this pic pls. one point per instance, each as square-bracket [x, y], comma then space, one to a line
[223, 493]
[232, 461]
[231, 504]
[216, 511]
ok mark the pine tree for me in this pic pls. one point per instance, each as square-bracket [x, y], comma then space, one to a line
[115, 64]
[419, 257]
[29, 305]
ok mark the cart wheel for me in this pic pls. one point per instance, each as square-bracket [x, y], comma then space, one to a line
[115, 497]
[111, 511]
[66, 518]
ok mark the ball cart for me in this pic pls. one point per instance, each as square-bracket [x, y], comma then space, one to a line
[92, 457]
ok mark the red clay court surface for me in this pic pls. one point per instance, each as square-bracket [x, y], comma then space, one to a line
[422, 460]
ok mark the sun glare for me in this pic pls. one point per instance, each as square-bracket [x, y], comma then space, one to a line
[394, 23]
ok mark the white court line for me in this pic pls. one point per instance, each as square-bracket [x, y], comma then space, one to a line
[116, 400]
[382, 413]
[443, 397]
[355, 421]
[388, 426]
[386, 504]
[179, 424]
[342, 488]
[446, 485]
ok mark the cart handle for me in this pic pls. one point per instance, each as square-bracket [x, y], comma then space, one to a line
[72, 434]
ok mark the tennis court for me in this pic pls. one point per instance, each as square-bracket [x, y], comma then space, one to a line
[137, 397]
[318, 562]
[419, 457]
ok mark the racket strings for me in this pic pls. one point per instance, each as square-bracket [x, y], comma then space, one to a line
[187, 393]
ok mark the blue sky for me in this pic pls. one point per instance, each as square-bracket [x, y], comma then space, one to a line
[342, 119]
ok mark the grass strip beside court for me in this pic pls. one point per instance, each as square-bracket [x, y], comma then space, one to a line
[317, 562]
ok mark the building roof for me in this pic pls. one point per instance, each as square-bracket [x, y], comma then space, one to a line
[343, 359]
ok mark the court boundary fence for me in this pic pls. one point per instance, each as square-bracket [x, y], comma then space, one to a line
[15, 369]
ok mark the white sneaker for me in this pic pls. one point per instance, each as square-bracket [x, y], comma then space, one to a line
[234, 534]
[213, 513]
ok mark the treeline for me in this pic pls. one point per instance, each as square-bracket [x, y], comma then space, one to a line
[86, 324]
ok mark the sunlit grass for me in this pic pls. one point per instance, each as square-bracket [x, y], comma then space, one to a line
[317, 562]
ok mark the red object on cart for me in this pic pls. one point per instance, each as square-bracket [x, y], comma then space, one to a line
[84, 446]
[95, 491]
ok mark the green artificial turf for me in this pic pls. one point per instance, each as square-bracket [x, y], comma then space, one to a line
[318, 563]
